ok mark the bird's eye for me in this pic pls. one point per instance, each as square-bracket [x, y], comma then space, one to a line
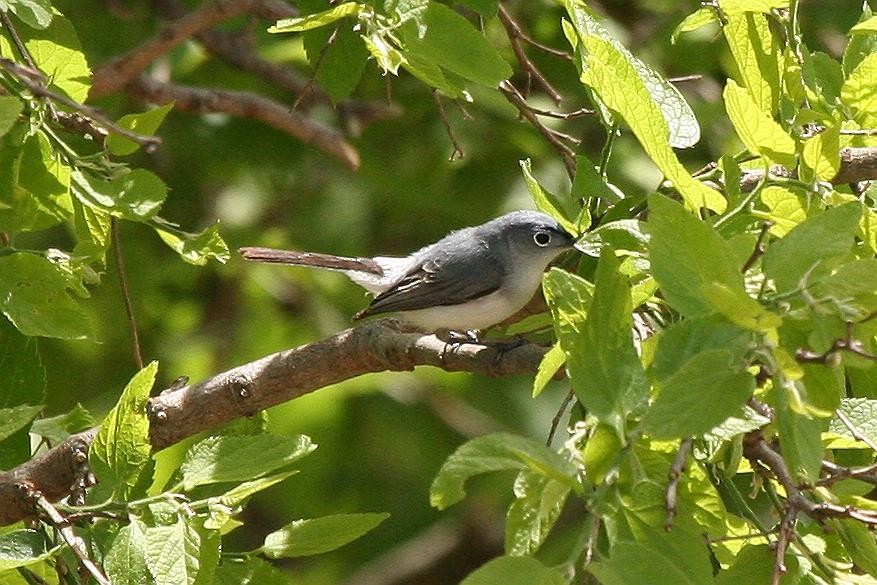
[542, 239]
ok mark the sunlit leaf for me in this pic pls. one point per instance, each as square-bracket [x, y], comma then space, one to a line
[318, 535]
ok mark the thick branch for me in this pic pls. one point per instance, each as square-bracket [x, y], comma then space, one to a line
[271, 380]
[117, 73]
[247, 105]
[856, 164]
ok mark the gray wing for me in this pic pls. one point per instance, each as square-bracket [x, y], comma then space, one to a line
[451, 278]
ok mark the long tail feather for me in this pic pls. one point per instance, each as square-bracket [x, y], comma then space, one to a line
[275, 256]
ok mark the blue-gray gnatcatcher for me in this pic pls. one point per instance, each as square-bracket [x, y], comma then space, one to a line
[470, 279]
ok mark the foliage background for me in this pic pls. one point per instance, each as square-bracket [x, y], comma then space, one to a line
[382, 437]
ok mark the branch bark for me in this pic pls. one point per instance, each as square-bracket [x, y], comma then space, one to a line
[117, 73]
[247, 105]
[176, 414]
[856, 164]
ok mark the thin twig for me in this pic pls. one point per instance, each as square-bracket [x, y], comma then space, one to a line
[847, 343]
[76, 544]
[35, 81]
[457, 153]
[514, 96]
[310, 84]
[860, 132]
[675, 473]
[555, 422]
[759, 247]
[513, 30]
[685, 78]
[126, 296]
[25, 54]
[562, 115]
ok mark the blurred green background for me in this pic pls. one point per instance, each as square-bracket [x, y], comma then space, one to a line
[382, 437]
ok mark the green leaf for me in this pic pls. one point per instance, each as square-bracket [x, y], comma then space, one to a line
[859, 46]
[37, 184]
[867, 26]
[21, 548]
[57, 53]
[635, 562]
[514, 571]
[756, 52]
[615, 80]
[538, 503]
[763, 6]
[683, 129]
[496, 452]
[697, 19]
[339, 65]
[687, 255]
[145, 123]
[820, 237]
[33, 295]
[860, 543]
[786, 208]
[551, 362]
[859, 92]
[740, 308]
[745, 421]
[21, 369]
[318, 19]
[197, 248]
[684, 339]
[606, 373]
[861, 413]
[125, 562]
[24, 383]
[755, 564]
[589, 184]
[622, 234]
[55, 429]
[821, 155]
[569, 297]
[434, 76]
[238, 494]
[237, 458]
[34, 13]
[121, 450]
[136, 195]
[758, 131]
[561, 210]
[851, 287]
[485, 8]
[389, 58]
[92, 228]
[10, 108]
[17, 418]
[315, 536]
[249, 571]
[709, 388]
[801, 437]
[182, 553]
[446, 38]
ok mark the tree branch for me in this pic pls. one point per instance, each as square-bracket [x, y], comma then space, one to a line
[856, 164]
[247, 105]
[118, 72]
[179, 413]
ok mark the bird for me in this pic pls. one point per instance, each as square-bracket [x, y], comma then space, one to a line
[469, 280]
